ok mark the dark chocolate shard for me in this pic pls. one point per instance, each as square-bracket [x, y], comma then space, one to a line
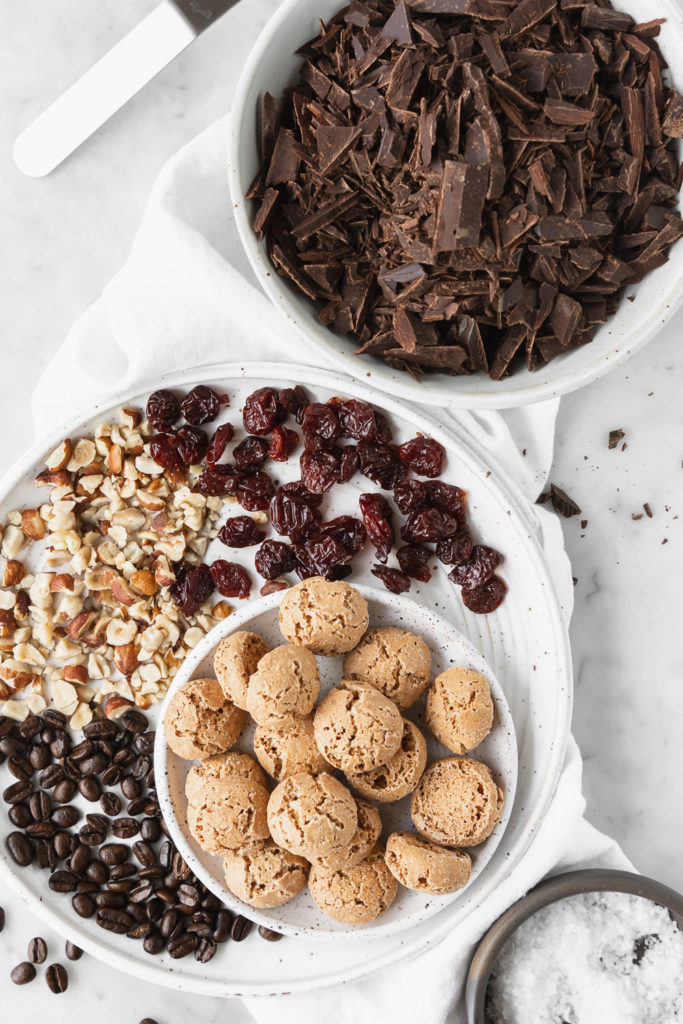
[634, 118]
[333, 144]
[562, 112]
[460, 206]
[284, 163]
[469, 335]
[562, 503]
[524, 16]
[565, 318]
[269, 126]
[574, 72]
[265, 209]
[490, 44]
[605, 18]
[672, 124]
[510, 343]
[411, 333]
[615, 436]
[437, 357]
[397, 25]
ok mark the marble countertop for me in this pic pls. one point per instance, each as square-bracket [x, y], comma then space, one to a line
[63, 238]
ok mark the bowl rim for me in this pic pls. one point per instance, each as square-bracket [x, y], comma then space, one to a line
[551, 890]
[397, 383]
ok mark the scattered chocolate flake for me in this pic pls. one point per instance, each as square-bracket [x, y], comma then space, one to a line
[648, 511]
[562, 503]
[615, 436]
[584, 524]
[665, 541]
[636, 515]
[470, 185]
[575, 580]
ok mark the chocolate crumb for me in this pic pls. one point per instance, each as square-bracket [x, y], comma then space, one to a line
[636, 515]
[562, 503]
[584, 524]
[648, 511]
[615, 436]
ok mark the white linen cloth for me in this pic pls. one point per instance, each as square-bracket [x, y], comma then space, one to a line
[186, 299]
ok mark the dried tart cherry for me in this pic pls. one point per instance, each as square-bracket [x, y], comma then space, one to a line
[230, 578]
[262, 411]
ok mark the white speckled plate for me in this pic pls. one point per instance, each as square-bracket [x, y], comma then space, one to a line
[524, 643]
[302, 916]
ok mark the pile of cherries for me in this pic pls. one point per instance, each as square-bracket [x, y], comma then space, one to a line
[435, 512]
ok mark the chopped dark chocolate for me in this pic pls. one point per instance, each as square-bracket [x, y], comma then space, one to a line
[469, 186]
[615, 436]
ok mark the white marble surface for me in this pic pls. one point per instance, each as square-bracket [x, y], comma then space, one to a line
[62, 239]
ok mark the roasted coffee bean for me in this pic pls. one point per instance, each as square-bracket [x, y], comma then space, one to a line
[51, 775]
[53, 719]
[188, 894]
[73, 952]
[113, 853]
[46, 855]
[241, 927]
[123, 885]
[134, 721]
[90, 788]
[40, 806]
[98, 821]
[171, 882]
[87, 887]
[150, 830]
[137, 805]
[19, 815]
[93, 765]
[47, 736]
[20, 849]
[205, 951]
[82, 750]
[10, 746]
[62, 844]
[90, 836]
[141, 892]
[124, 870]
[40, 830]
[124, 758]
[268, 934]
[97, 872]
[154, 871]
[211, 902]
[84, 905]
[144, 853]
[182, 945]
[130, 787]
[20, 768]
[63, 881]
[23, 973]
[30, 727]
[152, 809]
[6, 725]
[57, 979]
[110, 899]
[166, 855]
[65, 791]
[80, 858]
[179, 867]
[224, 919]
[153, 943]
[2, 918]
[168, 922]
[125, 828]
[113, 920]
[154, 909]
[61, 746]
[17, 792]
[65, 817]
[110, 804]
[141, 765]
[144, 743]
[148, 1020]
[37, 950]
[150, 779]
[39, 756]
[111, 775]
[101, 728]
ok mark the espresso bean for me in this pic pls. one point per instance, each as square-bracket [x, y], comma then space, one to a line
[125, 828]
[268, 934]
[139, 930]
[141, 892]
[53, 719]
[63, 881]
[113, 853]
[154, 910]
[130, 787]
[20, 768]
[17, 792]
[144, 853]
[110, 804]
[60, 746]
[179, 867]
[111, 899]
[39, 756]
[65, 817]
[62, 844]
[57, 979]
[137, 805]
[93, 765]
[205, 951]
[87, 887]
[19, 815]
[113, 920]
[123, 885]
[80, 858]
[46, 855]
[224, 919]
[168, 922]
[10, 746]
[51, 775]
[111, 775]
[153, 943]
[23, 973]
[73, 952]
[98, 821]
[134, 721]
[40, 805]
[211, 902]
[240, 928]
[152, 809]
[98, 872]
[84, 905]
[150, 830]
[65, 791]
[91, 836]
[90, 789]
[40, 830]
[124, 870]
[182, 946]
[19, 848]
[188, 894]
[37, 950]
[30, 727]
[82, 750]
[6, 725]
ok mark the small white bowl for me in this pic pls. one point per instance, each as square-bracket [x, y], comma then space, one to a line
[272, 65]
[302, 916]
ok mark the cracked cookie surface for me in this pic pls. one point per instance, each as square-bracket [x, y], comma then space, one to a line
[235, 661]
[357, 728]
[288, 749]
[285, 686]
[459, 709]
[357, 894]
[328, 618]
[426, 867]
[362, 843]
[457, 802]
[400, 775]
[393, 660]
[200, 721]
[312, 815]
[228, 813]
[223, 766]
[264, 875]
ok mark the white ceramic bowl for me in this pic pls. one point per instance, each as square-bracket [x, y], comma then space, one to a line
[272, 65]
[302, 916]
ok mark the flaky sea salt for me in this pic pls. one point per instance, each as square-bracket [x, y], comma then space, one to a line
[598, 958]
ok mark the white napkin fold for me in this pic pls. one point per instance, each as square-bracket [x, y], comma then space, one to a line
[186, 299]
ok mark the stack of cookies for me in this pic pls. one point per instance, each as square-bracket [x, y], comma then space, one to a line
[312, 827]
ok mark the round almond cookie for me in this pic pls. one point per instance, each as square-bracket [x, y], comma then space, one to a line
[395, 661]
[457, 802]
[264, 875]
[228, 813]
[459, 709]
[235, 661]
[223, 766]
[312, 815]
[357, 728]
[200, 721]
[288, 749]
[364, 838]
[327, 617]
[418, 864]
[356, 894]
[285, 685]
[399, 776]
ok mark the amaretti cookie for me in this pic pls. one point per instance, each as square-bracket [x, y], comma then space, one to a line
[364, 839]
[285, 685]
[457, 802]
[357, 728]
[228, 813]
[400, 775]
[222, 766]
[459, 709]
[235, 661]
[312, 815]
[264, 875]
[288, 749]
[200, 721]
[356, 894]
[418, 864]
[393, 660]
[328, 618]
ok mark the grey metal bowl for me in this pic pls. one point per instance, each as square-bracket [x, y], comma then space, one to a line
[557, 888]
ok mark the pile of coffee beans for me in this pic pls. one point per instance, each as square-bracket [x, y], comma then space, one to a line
[117, 863]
